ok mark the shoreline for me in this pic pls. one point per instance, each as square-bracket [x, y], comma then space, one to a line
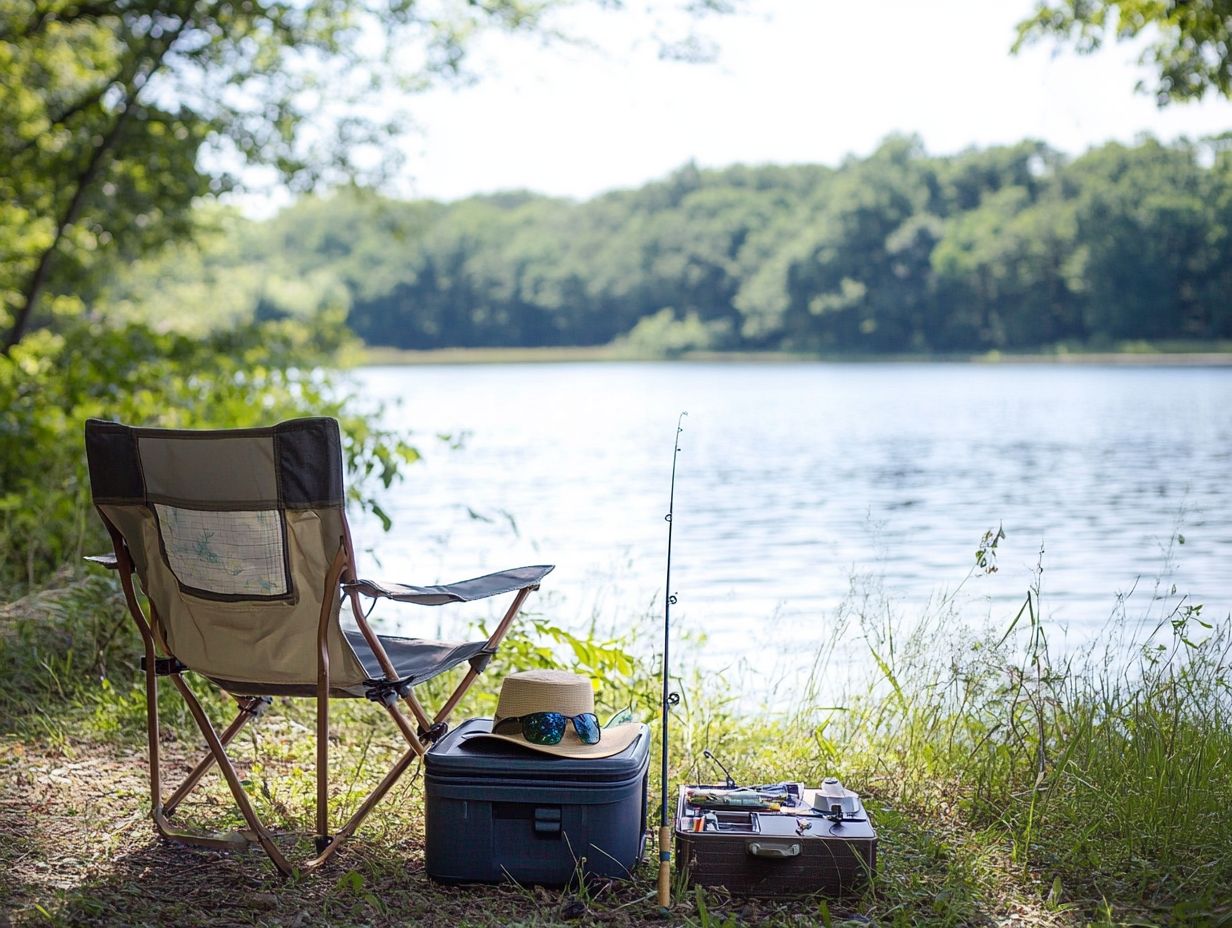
[1219, 355]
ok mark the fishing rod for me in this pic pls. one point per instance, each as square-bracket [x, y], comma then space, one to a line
[669, 698]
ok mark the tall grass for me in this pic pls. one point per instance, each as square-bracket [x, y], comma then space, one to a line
[1107, 773]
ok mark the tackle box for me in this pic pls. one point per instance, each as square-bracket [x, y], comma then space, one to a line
[495, 811]
[791, 851]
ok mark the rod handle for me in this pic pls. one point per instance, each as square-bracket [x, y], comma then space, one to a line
[665, 866]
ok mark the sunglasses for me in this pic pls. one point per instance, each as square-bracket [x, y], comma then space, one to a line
[549, 727]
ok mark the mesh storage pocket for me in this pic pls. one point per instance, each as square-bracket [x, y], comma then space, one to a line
[238, 554]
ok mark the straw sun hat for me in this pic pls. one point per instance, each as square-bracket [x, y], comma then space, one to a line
[556, 691]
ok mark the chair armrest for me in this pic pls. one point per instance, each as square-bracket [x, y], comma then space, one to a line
[110, 561]
[464, 591]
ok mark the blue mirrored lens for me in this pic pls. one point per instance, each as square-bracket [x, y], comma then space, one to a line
[543, 727]
[587, 727]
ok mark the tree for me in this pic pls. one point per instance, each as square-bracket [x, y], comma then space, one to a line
[116, 116]
[1001, 275]
[1143, 229]
[1004, 248]
[862, 275]
[1190, 44]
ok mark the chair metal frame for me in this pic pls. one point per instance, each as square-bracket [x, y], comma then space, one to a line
[340, 581]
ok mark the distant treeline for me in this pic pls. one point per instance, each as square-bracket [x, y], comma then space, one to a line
[1004, 248]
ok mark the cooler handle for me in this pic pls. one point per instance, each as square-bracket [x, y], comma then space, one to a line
[774, 849]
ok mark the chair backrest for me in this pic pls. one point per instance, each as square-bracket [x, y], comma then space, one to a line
[232, 533]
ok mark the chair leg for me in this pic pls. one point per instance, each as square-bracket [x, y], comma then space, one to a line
[367, 806]
[323, 836]
[217, 743]
[232, 778]
[151, 725]
[250, 708]
[158, 812]
[412, 738]
[417, 710]
[124, 564]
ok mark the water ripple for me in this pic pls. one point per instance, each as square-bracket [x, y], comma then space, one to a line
[794, 479]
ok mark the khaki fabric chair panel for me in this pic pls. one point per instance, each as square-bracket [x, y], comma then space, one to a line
[232, 533]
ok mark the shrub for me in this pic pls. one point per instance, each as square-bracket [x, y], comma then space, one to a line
[51, 382]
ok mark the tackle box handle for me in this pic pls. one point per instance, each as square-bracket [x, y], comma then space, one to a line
[774, 849]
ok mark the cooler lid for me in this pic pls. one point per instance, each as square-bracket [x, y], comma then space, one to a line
[461, 754]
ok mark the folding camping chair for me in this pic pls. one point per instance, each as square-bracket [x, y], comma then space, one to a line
[240, 540]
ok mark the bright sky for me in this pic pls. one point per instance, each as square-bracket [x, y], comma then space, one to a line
[795, 81]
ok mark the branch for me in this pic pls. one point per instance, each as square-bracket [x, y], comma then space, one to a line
[85, 102]
[82, 185]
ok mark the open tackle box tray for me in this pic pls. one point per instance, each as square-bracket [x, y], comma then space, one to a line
[784, 848]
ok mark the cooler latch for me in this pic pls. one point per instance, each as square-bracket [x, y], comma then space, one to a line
[547, 822]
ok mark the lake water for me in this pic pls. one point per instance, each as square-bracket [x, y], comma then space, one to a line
[801, 487]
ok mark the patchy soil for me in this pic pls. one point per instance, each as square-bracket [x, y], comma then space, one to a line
[80, 850]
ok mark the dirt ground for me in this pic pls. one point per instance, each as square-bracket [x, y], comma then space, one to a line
[81, 850]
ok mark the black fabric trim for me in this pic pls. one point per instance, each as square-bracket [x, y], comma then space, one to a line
[115, 468]
[247, 505]
[288, 597]
[307, 462]
[308, 458]
[262, 431]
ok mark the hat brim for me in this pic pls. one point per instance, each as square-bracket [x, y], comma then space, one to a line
[613, 741]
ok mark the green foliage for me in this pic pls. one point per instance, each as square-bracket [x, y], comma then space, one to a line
[536, 643]
[68, 106]
[245, 376]
[666, 336]
[1009, 248]
[1190, 41]
[109, 109]
[62, 646]
[117, 117]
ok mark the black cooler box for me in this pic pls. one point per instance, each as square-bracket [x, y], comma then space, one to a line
[495, 811]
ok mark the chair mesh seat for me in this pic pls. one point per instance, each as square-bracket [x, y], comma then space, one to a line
[415, 659]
